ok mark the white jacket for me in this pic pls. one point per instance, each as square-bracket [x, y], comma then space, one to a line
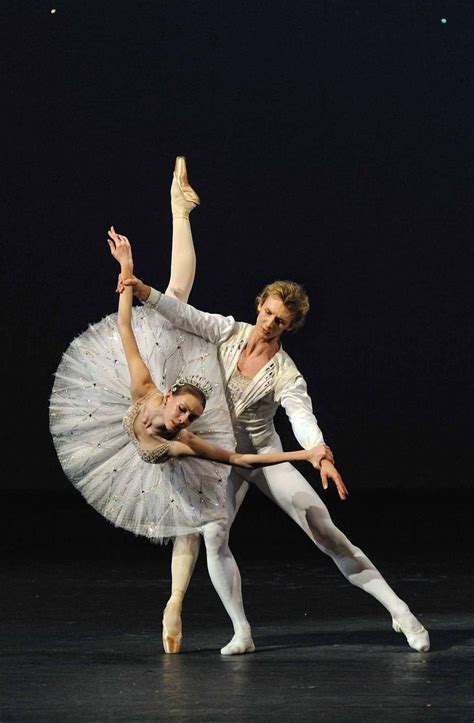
[279, 382]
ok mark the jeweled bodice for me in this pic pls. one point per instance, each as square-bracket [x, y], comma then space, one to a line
[158, 454]
[236, 386]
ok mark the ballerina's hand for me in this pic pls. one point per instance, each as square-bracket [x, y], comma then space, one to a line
[120, 248]
[239, 460]
[328, 471]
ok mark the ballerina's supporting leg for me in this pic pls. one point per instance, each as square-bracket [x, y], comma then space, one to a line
[183, 561]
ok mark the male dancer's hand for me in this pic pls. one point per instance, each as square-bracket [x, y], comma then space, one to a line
[318, 453]
[140, 290]
[327, 472]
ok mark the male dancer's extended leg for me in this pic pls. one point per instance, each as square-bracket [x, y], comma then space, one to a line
[289, 489]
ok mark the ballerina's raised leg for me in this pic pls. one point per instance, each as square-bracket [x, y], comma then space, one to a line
[183, 269]
[223, 569]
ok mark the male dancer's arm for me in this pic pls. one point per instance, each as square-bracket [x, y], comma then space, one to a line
[212, 327]
[296, 402]
[298, 406]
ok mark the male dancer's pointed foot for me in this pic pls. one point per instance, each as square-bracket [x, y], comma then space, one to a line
[183, 197]
[416, 634]
[171, 637]
[240, 644]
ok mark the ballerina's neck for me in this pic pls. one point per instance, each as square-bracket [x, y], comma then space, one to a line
[150, 421]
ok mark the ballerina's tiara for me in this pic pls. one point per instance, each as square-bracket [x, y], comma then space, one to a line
[196, 380]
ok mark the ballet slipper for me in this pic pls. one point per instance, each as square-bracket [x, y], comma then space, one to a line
[417, 636]
[240, 644]
[183, 197]
[171, 640]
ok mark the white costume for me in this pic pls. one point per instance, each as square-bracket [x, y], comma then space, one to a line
[91, 395]
[253, 403]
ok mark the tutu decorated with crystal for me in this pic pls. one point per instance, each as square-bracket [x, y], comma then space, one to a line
[91, 394]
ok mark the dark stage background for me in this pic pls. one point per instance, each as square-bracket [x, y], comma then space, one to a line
[331, 142]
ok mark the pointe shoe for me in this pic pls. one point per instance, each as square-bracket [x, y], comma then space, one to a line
[417, 638]
[183, 197]
[238, 646]
[171, 642]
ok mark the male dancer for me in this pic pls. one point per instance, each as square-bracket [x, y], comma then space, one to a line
[260, 377]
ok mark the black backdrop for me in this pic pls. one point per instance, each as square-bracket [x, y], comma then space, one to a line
[331, 142]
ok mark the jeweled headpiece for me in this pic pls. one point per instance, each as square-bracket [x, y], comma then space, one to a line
[196, 380]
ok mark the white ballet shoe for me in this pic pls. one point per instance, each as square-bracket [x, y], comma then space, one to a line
[416, 635]
[239, 645]
[183, 197]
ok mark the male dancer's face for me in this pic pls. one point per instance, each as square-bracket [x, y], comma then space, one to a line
[273, 318]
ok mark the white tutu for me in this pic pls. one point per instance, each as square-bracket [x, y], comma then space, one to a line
[89, 398]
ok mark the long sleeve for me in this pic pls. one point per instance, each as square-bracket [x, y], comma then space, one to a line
[298, 406]
[212, 327]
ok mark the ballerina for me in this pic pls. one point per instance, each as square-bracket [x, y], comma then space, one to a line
[137, 463]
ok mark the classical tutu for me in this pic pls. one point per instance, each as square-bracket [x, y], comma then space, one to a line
[89, 398]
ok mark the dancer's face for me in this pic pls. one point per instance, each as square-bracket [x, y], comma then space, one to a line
[181, 410]
[273, 318]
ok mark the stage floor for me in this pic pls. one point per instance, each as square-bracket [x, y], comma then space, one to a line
[82, 605]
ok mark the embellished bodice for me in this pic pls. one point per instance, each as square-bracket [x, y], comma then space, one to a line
[158, 454]
[236, 387]
[251, 401]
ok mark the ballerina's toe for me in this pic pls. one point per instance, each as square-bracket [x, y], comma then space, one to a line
[238, 646]
[417, 636]
[171, 641]
[183, 197]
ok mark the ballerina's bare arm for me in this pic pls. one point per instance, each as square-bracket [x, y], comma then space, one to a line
[141, 381]
[190, 445]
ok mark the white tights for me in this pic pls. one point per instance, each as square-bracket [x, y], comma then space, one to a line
[223, 571]
[285, 486]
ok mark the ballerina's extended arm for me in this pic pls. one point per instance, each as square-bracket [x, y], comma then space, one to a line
[190, 445]
[141, 381]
